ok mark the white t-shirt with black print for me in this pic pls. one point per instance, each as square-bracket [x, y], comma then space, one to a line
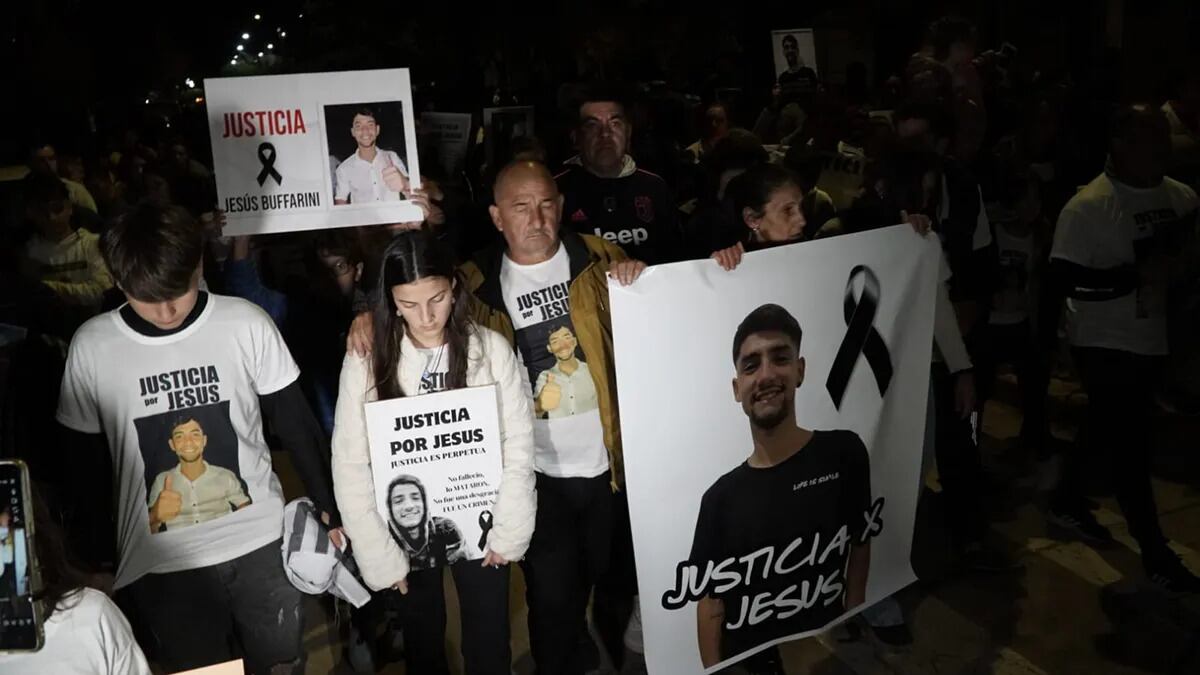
[434, 367]
[567, 431]
[1109, 224]
[163, 401]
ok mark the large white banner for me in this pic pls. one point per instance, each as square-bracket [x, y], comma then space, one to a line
[734, 555]
[436, 464]
[312, 151]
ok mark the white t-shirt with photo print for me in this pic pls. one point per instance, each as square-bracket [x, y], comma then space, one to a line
[135, 389]
[569, 436]
[1108, 224]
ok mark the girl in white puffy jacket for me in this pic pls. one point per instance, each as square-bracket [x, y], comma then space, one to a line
[425, 342]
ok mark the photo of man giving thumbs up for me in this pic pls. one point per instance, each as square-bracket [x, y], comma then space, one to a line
[566, 388]
[371, 174]
[193, 491]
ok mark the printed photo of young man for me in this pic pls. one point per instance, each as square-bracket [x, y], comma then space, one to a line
[193, 491]
[566, 388]
[795, 507]
[372, 173]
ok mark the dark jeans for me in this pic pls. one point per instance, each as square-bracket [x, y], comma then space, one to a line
[612, 604]
[483, 604]
[569, 552]
[200, 617]
[1120, 388]
[1014, 344]
[959, 467]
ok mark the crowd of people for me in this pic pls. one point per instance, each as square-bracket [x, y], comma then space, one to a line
[277, 342]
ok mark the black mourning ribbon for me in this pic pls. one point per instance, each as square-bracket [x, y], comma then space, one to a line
[266, 155]
[485, 526]
[861, 338]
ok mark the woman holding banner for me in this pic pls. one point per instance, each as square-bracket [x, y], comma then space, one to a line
[426, 343]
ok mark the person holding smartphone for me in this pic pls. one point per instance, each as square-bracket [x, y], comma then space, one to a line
[425, 342]
[84, 632]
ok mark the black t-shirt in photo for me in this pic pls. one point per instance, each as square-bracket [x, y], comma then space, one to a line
[810, 496]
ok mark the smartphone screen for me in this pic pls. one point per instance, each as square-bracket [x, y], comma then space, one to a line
[19, 630]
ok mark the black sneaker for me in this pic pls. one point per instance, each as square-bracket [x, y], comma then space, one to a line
[1168, 572]
[979, 557]
[1082, 524]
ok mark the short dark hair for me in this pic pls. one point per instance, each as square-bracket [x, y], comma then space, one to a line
[181, 419]
[769, 318]
[342, 243]
[365, 111]
[153, 251]
[603, 92]
[947, 30]
[790, 38]
[42, 188]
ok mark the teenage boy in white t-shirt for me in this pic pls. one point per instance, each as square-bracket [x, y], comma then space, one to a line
[194, 588]
[1119, 243]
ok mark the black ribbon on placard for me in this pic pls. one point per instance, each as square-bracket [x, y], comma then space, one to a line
[485, 526]
[861, 338]
[266, 155]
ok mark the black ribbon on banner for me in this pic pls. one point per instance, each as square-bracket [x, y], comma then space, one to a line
[485, 526]
[861, 338]
[266, 155]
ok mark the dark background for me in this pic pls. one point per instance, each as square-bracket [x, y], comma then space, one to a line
[77, 73]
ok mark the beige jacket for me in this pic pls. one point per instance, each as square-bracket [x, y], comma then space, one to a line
[492, 361]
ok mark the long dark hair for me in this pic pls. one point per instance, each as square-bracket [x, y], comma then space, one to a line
[61, 578]
[410, 257]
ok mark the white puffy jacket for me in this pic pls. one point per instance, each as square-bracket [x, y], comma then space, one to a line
[491, 360]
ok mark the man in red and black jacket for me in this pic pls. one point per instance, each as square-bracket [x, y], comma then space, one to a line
[606, 195]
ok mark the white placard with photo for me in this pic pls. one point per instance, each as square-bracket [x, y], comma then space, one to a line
[436, 465]
[795, 55]
[313, 151]
[797, 547]
[448, 137]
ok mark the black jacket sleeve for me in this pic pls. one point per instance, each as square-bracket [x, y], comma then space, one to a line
[288, 415]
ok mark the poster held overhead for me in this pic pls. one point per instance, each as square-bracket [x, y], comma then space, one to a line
[447, 137]
[778, 507]
[436, 466]
[795, 58]
[313, 151]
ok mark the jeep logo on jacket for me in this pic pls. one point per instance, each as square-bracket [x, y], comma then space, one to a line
[634, 211]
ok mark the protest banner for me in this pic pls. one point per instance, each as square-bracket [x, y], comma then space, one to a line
[782, 550]
[795, 57]
[312, 151]
[447, 138]
[502, 126]
[436, 465]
